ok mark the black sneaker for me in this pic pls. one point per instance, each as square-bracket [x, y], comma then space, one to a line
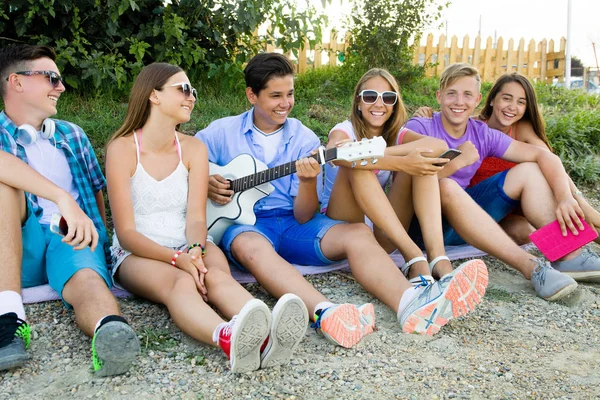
[15, 336]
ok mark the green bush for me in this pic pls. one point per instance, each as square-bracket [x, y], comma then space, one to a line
[381, 35]
[103, 44]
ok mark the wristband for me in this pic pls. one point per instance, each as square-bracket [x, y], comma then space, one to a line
[174, 259]
[197, 245]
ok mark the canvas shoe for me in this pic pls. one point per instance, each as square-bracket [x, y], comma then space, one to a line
[15, 336]
[345, 324]
[242, 337]
[289, 321]
[583, 268]
[114, 348]
[456, 294]
[549, 283]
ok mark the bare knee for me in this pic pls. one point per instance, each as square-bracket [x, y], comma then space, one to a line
[247, 247]
[86, 278]
[357, 233]
[217, 276]
[450, 192]
[182, 282]
[85, 284]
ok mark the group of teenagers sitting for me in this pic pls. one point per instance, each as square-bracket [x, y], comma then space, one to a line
[159, 183]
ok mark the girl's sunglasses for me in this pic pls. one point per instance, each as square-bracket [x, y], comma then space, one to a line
[186, 89]
[371, 96]
[54, 78]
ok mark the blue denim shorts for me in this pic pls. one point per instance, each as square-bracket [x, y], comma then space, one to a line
[296, 243]
[488, 194]
[46, 259]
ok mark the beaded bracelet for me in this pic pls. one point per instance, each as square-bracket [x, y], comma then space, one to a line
[174, 259]
[197, 245]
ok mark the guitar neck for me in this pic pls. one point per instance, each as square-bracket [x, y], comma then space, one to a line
[268, 175]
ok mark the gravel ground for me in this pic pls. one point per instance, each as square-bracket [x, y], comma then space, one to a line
[513, 346]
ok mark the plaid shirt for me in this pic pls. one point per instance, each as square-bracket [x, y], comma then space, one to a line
[87, 175]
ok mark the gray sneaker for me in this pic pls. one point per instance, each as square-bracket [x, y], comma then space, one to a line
[14, 340]
[114, 348]
[549, 283]
[583, 268]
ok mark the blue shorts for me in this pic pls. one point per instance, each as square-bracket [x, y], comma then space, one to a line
[46, 259]
[488, 194]
[296, 243]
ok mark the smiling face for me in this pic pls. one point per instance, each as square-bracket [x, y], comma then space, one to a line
[39, 97]
[509, 106]
[375, 115]
[457, 102]
[273, 104]
[173, 101]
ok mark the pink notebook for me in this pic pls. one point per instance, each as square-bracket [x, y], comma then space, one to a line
[554, 245]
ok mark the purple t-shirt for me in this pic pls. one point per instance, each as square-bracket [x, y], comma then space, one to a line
[488, 142]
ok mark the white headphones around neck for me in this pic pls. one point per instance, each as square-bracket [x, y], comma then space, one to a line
[28, 135]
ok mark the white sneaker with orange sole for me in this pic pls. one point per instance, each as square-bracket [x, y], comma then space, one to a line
[456, 294]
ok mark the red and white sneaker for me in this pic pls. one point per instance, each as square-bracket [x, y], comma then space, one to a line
[242, 337]
[289, 321]
[345, 324]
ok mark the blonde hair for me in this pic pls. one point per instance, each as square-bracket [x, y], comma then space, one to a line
[456, 71]
[394, 123]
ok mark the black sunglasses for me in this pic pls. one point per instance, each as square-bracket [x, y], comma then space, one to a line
[371, 96]
[186, 89]
[54, 78]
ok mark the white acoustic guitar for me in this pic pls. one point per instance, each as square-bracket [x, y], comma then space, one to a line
[248, 189]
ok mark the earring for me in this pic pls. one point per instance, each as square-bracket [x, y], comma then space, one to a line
[359, 112]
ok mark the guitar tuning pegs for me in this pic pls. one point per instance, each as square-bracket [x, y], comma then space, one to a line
[363, 163]
[374, 161]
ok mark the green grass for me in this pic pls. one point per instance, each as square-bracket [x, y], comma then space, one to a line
[157, 340]
[500, 294]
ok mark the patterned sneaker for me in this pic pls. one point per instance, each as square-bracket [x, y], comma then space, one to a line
[454, 295]
[289, 321]
[15, 336]
[242, 337]
[549, 283]
[114, 348]
[583, 268]
[345, 324]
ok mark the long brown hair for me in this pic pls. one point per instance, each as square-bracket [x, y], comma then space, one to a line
[394, 123]
[152, 77]
[532, 111]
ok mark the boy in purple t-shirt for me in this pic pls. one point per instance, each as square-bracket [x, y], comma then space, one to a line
[539, 184]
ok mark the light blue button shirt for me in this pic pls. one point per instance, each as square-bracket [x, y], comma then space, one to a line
[227, 138]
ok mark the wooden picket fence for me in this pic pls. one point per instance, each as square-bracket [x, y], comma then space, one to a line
[539, 62]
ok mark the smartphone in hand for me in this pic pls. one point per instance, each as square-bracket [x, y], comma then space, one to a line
[58, 225]
[449, 154]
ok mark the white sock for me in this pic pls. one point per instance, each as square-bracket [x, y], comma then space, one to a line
[322, 305]
[99, 322]
[407, 296]
[12, 302]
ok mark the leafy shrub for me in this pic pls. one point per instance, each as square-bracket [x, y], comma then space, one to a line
[381, 33]
[103, 44]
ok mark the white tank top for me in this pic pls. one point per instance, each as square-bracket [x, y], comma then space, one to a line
[159, 207]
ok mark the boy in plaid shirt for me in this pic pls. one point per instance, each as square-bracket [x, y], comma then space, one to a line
[47, 167]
